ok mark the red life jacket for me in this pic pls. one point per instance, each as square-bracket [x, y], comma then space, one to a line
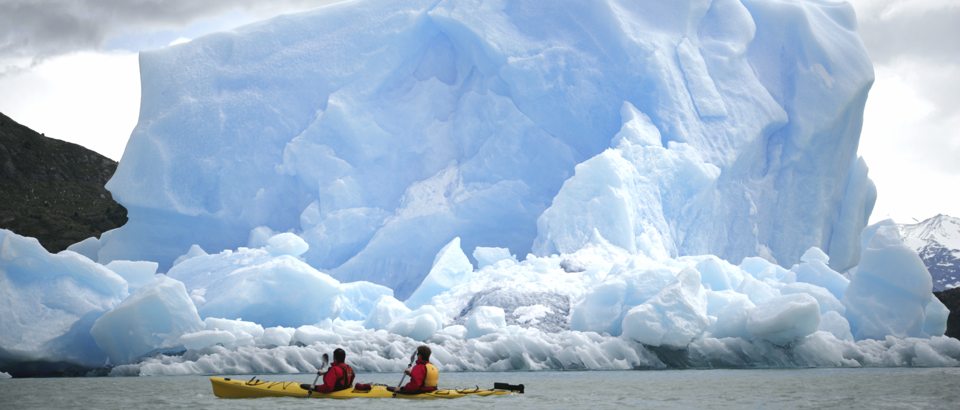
[345, 381]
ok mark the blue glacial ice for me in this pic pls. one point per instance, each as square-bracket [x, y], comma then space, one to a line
[713, 129]
[610, 185]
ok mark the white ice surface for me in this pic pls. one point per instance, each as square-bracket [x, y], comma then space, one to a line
[449, 268]
[517, 348]
[136, 273]
[152, 318]
[267, 285]
[48, 302]
[784, 319]
[487, 256]
[890, 289]
[485, 320]
[615, 311]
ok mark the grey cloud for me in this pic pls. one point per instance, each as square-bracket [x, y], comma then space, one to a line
[941, 86]
[919, 41]
[42, 28]
[37, 29]
[918, 29]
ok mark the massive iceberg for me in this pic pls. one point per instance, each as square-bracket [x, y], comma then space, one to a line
[601, 185]
[377, 131]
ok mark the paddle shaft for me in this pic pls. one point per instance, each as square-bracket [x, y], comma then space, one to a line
[326, 359]
[409, 366]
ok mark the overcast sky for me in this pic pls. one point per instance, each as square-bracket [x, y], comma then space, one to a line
[68, 69]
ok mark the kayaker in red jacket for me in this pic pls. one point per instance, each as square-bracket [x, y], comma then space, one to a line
[339, 376]
[423, 376]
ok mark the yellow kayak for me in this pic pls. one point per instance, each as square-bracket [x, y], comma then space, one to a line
[227, 388]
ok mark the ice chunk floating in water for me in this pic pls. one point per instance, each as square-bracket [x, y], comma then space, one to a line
[49, 302]
[519, 184]
[153, 317]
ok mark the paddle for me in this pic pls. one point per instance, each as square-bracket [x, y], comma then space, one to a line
[508, 387]
[413, 357]
[326, 360]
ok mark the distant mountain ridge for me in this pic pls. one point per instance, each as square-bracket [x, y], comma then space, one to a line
[937, 241]
[54, 190]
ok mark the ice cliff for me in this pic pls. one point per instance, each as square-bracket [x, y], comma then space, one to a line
[377, 131]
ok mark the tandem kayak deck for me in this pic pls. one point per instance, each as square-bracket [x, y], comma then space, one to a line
[227, 388]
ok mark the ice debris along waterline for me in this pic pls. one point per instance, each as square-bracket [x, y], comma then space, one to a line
[598, 308]
[679, 179]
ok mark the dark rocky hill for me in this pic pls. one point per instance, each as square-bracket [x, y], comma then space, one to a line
[53, 190]
[951, 298]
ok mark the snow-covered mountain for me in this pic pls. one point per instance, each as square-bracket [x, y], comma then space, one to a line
[937, 241]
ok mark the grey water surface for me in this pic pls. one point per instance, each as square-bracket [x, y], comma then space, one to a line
[873, 388]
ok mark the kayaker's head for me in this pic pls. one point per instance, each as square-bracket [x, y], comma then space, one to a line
[423, 353]
[339, 356]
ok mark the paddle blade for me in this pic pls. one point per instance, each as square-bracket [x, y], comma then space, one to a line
[509, 387]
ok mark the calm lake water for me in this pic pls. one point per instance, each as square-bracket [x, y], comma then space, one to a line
[774, 389]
